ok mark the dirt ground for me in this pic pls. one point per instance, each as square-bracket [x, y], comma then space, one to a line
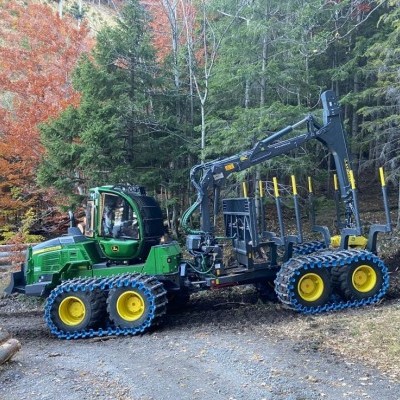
[223, 345]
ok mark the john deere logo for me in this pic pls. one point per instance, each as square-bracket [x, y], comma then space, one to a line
[115, 248]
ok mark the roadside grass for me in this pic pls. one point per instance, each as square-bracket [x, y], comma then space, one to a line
[370, 335]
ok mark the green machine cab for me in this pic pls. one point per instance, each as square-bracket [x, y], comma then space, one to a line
[123, 233]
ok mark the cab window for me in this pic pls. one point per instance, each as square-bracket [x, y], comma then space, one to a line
[118, 218]
[89, 219]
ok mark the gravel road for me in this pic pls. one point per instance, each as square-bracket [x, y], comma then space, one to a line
[217, 348]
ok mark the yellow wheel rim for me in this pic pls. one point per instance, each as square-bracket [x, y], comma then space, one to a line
[364, 278]
[130, 306]
[310, 287]
[72, 311]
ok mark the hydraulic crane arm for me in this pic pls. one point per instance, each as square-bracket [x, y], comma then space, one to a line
[331, 134]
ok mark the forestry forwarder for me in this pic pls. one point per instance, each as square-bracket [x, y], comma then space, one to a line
[118, 277]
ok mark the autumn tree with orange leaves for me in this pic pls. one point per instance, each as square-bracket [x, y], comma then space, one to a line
[38, 51]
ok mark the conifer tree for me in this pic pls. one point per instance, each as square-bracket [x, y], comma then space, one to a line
[117, 130]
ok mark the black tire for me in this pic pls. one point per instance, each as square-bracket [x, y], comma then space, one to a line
[77, 311]
[312, 287]
[359, 280]
[128, 307]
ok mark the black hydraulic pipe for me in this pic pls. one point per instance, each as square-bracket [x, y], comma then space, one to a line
[316, 228]
[311, 202]
[297, 210]
[216, 203]
[355, 203]
[377, 228]
[337, 202]
[262, 211]
[385, 200]
[284, 131]
[279, 211]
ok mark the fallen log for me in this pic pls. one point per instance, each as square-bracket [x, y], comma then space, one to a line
[8, 349]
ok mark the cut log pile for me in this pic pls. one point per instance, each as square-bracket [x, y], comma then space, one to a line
[8, 346]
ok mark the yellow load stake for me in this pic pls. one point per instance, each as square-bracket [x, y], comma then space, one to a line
[261, 188]
[244, 184]
[352, 180]
[310, 188]
[294, 186]
[382, 176]
[276, 189]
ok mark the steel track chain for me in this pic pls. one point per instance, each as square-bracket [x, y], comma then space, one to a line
[308, 247]
[284, 282]
[153, 289]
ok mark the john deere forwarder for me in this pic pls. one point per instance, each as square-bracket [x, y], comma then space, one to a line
[117, 278]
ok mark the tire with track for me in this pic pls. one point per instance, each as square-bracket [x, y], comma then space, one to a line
[358, 280]
[308, 247]
[357, 277]
[312, 288]
[78, 310]
[134, 303]
[133, 306]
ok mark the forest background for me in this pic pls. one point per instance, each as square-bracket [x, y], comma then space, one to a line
[102, 92]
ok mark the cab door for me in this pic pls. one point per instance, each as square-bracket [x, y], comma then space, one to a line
[119, 231]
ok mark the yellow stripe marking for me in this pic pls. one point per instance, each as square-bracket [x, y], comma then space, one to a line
[47, 249]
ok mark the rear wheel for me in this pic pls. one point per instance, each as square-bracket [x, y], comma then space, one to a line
[76, 311]
[359, 281]
[129, 307]
[312, 288]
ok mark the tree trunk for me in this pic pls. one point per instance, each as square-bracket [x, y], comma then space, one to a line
[60, 8]
[203, 129]
[247, 94]
[263, 68]
[398, 210]
[354, 117]
[174, 224]
[80, 13]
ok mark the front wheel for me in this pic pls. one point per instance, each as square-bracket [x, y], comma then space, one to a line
[312, 288]
[77, 311]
